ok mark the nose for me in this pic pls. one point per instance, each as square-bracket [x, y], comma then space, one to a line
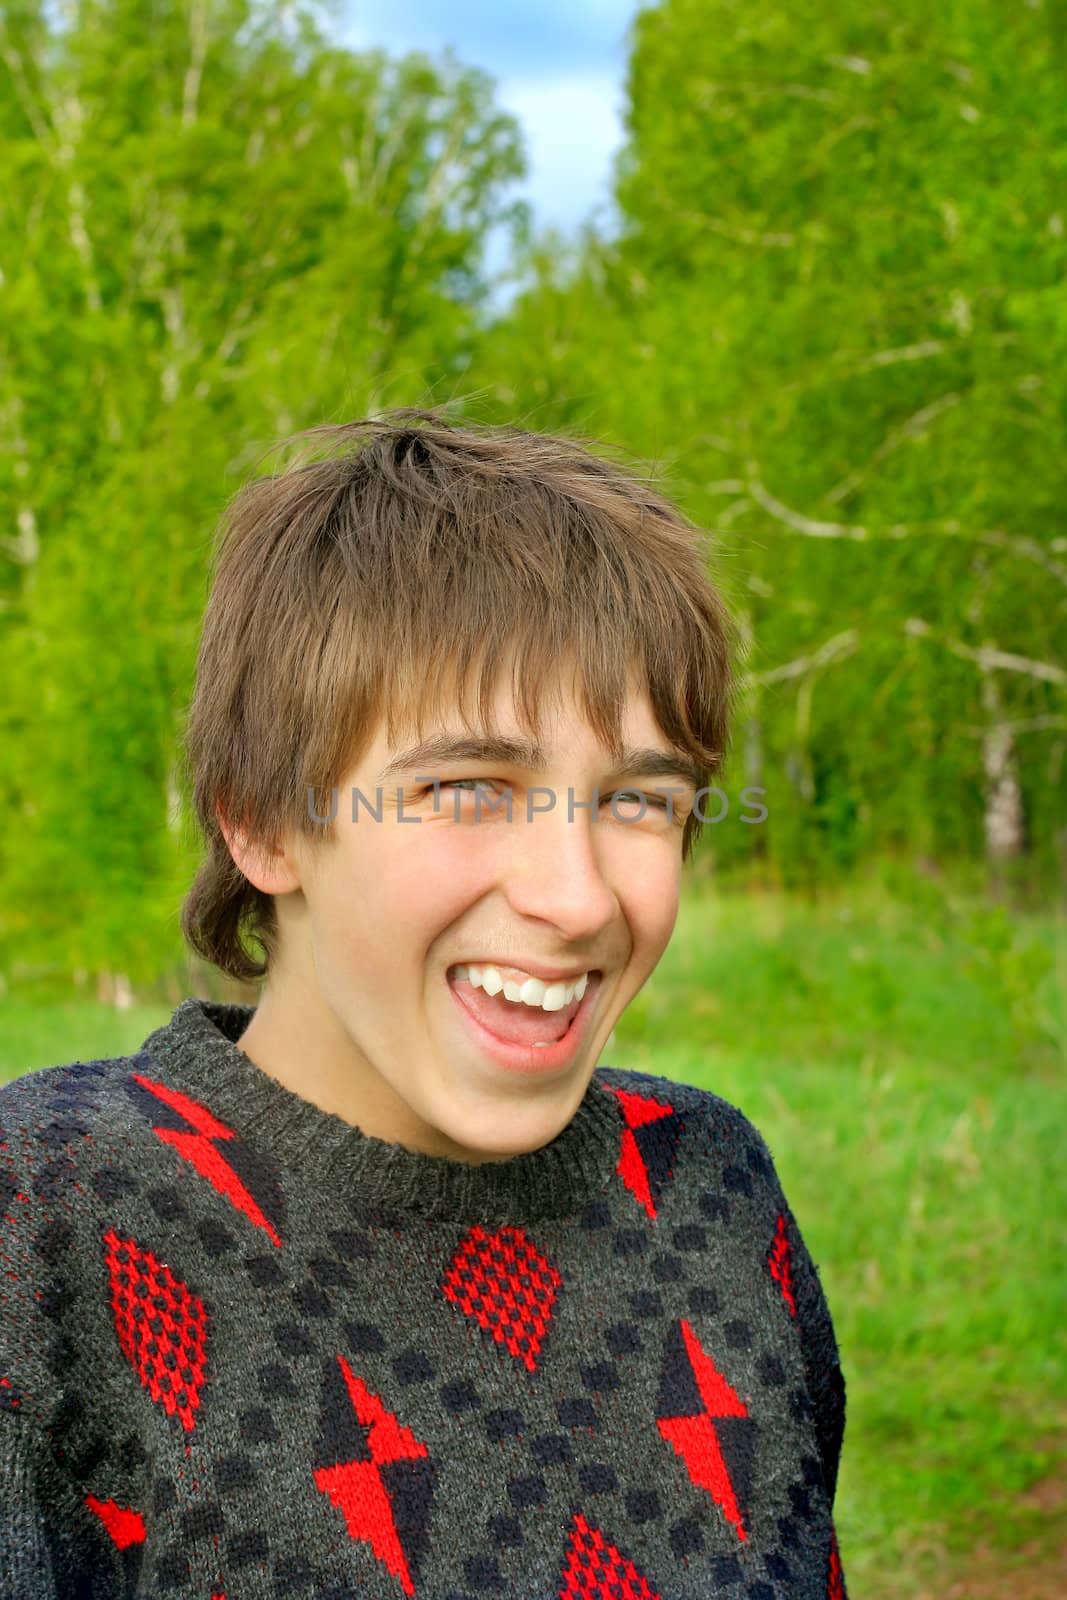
[554, 873]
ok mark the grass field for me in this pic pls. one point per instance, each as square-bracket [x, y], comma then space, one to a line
[902, 1051]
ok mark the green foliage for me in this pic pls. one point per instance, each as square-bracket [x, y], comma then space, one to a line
[834, 316]
[216, 228]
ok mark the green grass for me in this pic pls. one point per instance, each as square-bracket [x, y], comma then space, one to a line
[902, 1053]
[35, 1034]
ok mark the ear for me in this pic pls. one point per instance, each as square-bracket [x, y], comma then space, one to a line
[268, 869]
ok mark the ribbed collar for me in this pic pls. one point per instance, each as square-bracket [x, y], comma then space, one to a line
[198, 1049]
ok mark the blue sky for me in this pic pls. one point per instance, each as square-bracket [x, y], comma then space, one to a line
[560, 68]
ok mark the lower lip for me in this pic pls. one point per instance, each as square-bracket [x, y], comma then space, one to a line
[527, 1057]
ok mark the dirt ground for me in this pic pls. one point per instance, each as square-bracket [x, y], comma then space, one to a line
[1037, 1571]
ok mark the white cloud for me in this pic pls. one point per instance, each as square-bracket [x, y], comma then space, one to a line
[559, 68]
[572, 125]
[517, 36]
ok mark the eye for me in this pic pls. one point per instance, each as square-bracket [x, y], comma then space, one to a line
[461, 786]
[660, 801]
[653, 799]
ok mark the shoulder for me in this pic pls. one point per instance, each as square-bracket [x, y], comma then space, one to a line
[725, 1121]
[54, 1110]
[653, 1086]
[724, 1132]
[72, 1140]
[76, 1138]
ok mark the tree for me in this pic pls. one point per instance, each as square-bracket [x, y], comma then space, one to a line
[834, 310]
[215, 228]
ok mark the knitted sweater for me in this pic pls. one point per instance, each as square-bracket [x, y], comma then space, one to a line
[248, 1351]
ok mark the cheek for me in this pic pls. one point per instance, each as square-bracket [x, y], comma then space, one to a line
[418, 881]
[649, 902]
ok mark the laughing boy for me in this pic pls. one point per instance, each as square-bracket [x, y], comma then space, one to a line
[383, 1286]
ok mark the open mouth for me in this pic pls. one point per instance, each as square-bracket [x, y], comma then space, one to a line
[521, 1035]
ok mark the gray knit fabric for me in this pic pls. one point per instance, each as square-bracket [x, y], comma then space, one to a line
[248, 1351]
[26, 1559]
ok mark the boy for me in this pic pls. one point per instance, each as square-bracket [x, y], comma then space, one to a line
[383, 1286]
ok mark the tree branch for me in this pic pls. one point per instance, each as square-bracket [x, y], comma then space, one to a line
[986, 656]
[912, 428]
[198, 41]
[1017, 544]
[842, 644]
[794, 519]
[15, 65]
[1025, 725]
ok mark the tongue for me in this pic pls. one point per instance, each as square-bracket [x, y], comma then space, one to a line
[511, 1019]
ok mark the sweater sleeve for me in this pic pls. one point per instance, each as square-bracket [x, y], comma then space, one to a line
[826, 1381]
[26, 1572]
[802, 1289]
[42, 1519]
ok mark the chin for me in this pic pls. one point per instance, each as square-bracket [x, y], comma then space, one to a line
[504, 1131]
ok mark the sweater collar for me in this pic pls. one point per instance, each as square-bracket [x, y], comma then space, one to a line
[198, 1050]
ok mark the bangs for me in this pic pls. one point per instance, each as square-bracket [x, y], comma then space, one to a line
[542, 599]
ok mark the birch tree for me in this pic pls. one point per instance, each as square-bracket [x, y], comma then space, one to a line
[216, 227]
[832, 312]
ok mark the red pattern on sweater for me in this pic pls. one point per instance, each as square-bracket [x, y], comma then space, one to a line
[166, 1321]
[780, 1262]
[356, 1487]
[125, 1525]
[640, 1111]
[597, 1570]
[198, 1149]
[835, 1582]
[509, 1288]
[696, 1439]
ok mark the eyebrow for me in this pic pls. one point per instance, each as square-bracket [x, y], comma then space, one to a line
[442, 748]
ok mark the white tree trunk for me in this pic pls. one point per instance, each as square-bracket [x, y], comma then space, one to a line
[1004, 823]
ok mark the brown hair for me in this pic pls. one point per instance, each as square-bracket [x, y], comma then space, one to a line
[374, 581]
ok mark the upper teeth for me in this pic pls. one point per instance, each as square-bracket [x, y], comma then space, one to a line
[532, 992]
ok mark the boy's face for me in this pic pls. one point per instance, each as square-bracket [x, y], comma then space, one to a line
[358, 1014]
